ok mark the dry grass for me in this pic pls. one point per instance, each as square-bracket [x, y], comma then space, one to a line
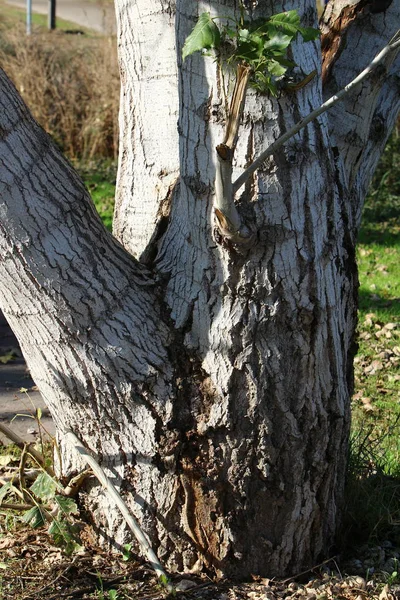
[70, 83]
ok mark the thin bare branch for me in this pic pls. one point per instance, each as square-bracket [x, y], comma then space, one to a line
[391, 48]
[14, 506]
[110, 488]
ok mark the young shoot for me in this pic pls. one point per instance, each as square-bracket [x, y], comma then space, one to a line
[262, 45]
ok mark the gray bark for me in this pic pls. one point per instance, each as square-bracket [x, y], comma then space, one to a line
[214, 383]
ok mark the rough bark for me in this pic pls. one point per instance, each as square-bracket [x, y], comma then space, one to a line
[214, 383]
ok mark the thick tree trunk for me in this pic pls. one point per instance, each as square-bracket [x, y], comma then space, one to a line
[215, 381]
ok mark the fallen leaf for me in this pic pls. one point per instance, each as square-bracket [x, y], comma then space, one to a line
[7, 543]
[365, 335]
[392, 378]
[380, 333]
[9, 357]
[385, 594]
[367, 406]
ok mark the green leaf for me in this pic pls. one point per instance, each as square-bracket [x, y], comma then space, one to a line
[231, 33]
[45, 486]
[67, 505]
[275, 68]
[39, 413]
[278, 42]
[264, 84]
[309, 33]
[5, 489]
[282, 60]
[127, 552]
[34, 517]
[204, 36]
[250, 50]
[6, 358]
[6, 459]
[288, 22]
[64, 535]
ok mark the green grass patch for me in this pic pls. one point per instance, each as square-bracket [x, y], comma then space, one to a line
[12, 15]
[373, 488]
[100, 178]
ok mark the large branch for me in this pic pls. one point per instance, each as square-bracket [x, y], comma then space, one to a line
[82, 308]
[353, 33]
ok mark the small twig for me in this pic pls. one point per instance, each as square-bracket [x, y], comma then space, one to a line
[110, 488]
[75, 483]
[30, 475]
[21, 472]
[328, 560]
[393, 45]
[11, 506]
[18, 441]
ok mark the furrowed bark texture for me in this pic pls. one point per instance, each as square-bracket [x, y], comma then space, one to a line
[219, 397]
[85, 313]
[148, 161]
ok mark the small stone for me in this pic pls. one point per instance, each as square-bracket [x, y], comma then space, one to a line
[184, 584]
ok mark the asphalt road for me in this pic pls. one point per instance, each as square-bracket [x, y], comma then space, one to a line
[93, 15]
[17, 408]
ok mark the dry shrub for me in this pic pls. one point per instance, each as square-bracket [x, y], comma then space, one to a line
[71, 85]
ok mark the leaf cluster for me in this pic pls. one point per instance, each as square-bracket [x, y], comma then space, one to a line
[49, 506]
[261, 44]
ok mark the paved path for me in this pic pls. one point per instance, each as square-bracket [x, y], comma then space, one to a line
[14, 376]
[93, 15]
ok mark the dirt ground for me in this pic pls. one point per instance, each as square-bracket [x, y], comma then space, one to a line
[34, 569]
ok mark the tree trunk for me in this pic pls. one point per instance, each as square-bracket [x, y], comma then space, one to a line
[214, 379]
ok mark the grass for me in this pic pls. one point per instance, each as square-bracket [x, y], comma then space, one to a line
[11, 14]
[100, 177]
[373, 489]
